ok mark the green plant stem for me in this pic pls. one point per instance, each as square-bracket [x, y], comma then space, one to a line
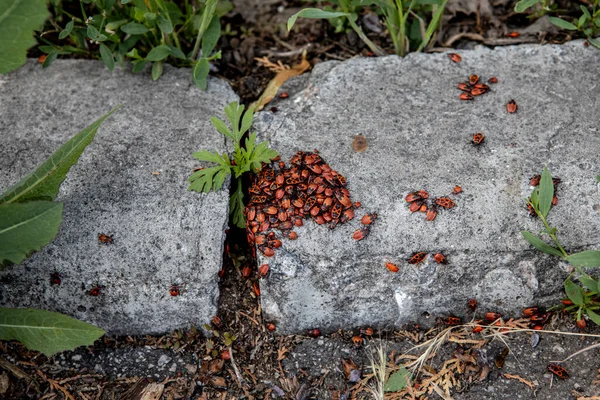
[207, 14]
[374, 48]
[552, 235]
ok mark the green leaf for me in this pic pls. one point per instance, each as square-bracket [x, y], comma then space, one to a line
[561, 23]
[93, 34]
[221, 127]
[44, 182]
[205, 180]
[247, 120]
[588, 259]
[433, 24]
[585, 11]
[236, 206]
[200, 73]
[234, 112]
[25, 228]
[523, 5]
[546, 192]
[157, 70]
[50, 58]
[107, 57]
[540, 244]
[398, 380]
[534, 198]
[134, 28]
[138, 65]
[164, 24]
[18, 20]
[46, 331]
[211, 37]
[175, 52]
[67, 31]
[159, 53]
[593, 316]
[589, 283]
[114, 25]
[574, 292]
[204, 155]
[581, 21]
[595, 43]
[313, 13]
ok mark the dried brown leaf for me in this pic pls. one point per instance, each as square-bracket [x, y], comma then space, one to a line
[520, 379]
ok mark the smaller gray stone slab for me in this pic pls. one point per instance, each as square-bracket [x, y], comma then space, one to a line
[131, 182]
[419, 137]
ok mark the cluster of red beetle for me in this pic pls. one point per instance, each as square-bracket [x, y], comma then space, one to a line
[418, 202]
[282, 196]
[473, 87]
[534, 181]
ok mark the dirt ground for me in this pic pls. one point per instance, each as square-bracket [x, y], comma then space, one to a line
[245, 359]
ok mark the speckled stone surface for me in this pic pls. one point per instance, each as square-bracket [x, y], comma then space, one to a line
[131, 182]
[419, 135]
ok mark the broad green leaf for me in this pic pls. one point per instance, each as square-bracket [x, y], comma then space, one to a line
[574, 292]
[159, 53]
[234, 112]
[588, 259]
[540, 244]
[44, 182]
[589, 283]
[67, 31]
[581, 21]
[18, 20]
[236, 206]
[164, 24]
[211, 37]
[134, 28]
[523, 5]
[107, 57]
[93, 34]
[593, 316]
[27, 227]
[561, 23]
[45, 331]
[157, 70]
[546, 192]
[398, 380]
[200, 73]
[313, 13]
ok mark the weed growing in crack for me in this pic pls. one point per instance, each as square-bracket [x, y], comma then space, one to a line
[582, 299]
[245, 159]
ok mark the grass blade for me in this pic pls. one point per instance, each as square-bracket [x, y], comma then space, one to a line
[44, 182]
[546, 193]
[540, 244]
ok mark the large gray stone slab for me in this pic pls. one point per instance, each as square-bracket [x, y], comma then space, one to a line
[130, 182]
[419, 137]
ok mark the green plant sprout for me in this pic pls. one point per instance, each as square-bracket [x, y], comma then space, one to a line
[583, 301]
[588, 23]
[245, 159]
[396, 14]
[144, 32]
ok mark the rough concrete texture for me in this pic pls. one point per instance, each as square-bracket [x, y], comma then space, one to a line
[131, 182]
[419, 137]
